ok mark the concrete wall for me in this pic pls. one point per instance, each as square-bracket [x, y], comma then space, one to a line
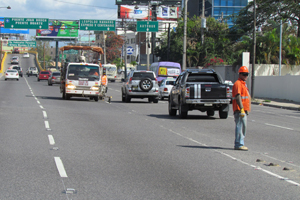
[267, 83]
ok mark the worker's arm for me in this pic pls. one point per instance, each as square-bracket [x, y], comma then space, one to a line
[239, 101]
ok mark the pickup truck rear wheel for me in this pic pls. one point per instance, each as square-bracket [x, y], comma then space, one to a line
[127, 98]
[182, 114]
[123, 97]
[155, 100]
[223, 114]
[96, 98]
[172, 112]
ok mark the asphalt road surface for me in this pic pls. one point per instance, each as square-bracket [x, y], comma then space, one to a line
[80, 149]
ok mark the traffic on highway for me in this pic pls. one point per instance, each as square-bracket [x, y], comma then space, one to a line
[75, 148]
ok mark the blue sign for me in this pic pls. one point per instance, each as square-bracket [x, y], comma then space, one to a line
[9, 30]
[130, 50]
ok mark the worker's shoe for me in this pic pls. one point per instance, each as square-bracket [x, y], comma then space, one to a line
[242, 148]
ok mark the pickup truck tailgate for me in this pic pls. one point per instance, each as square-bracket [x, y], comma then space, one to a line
[207, 91]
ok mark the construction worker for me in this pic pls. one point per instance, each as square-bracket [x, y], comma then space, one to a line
[241, 108]
[104, 81]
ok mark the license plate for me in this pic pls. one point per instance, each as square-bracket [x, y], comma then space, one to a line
[83, 83]
[135, 87]
[207, 104]
[45, 76]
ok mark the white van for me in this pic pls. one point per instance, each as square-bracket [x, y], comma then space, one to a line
[111, 72]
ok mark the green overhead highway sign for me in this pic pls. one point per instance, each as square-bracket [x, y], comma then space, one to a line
[18, 43]
[26, 23]
[97, 25]
[147, 26]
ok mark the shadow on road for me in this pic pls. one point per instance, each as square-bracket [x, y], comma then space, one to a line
[204, 147]
[189, 117]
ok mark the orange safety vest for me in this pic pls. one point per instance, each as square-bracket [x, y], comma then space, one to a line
[104, 80]
[240, 87]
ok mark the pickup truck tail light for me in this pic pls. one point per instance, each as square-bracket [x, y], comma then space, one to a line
[228, 91]
[187, 92]
[130, 80]
[156, 82]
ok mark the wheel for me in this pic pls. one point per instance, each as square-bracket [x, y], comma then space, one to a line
[49, 83]
[155, 100]
[17, 79]
[63, 95]
[223, 114]
[6, 79]
[146, 84]
[127, 98]
[172, 112]
[123, 97]
[96, 98]
[210, 113]
[150, 99]
[182, 114]
[66, 96]
[38, 79]
[162, 98]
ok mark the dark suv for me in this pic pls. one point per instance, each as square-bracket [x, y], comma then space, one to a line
[19, 70]
[140, 84]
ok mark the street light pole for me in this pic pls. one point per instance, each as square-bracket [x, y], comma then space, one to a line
[184, 36]
[147, 47]
[8, 7]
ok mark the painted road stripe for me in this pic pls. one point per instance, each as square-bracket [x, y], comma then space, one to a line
[47, 126]
[51, 139]
[60, 167]
[41, 107]
[279, 126]
[45, 115]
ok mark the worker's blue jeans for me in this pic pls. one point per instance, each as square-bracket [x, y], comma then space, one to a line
[240, 129]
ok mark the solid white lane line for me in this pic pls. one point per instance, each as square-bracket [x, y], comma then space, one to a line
[51, 139]
[41, 107]
[45, 115]
[279, 126]
[60, 167]
[47, 126]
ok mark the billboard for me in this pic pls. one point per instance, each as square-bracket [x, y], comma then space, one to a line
[141, 12]
[10, 30]
[59, 29]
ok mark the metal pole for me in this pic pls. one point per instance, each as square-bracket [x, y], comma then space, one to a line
[168, 51]
[104, 47]
[147, 47]
[184, 36]
[125, 59]
[254, 48]
[280, 47]
[56, 55]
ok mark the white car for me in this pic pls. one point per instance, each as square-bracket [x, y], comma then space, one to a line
[165, 87]
[26, 55]
[12, 74]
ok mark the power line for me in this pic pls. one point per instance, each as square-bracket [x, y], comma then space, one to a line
[83, 4]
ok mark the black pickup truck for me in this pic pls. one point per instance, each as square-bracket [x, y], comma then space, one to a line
[199, 89]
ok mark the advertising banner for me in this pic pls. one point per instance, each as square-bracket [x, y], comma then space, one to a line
[141, 12]
[59, 29]
[9, 30]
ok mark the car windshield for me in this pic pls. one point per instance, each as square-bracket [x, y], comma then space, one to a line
[32, 68]
[56, 74]
[89, 72]
[17, 68]
[202, 78]
[139, 75]
[170, 82]
[45, 73]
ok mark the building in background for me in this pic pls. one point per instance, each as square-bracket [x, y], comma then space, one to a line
[216, 8]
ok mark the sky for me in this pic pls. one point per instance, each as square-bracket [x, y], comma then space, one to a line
[60, 9]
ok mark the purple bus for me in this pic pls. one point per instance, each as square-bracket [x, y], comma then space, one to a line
[165, 69]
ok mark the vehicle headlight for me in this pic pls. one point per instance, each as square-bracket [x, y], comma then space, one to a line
[95, 88]
[70, 86]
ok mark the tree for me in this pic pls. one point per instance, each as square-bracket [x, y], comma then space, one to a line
[276, 10]
[113, 45]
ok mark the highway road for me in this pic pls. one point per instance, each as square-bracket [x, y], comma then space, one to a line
[79, 149]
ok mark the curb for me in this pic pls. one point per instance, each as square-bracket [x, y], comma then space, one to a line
[276, 106]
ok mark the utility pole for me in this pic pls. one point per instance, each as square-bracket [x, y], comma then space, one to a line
[184, 36]
[168, 52]
[104, 47]
[280, 47]
[202, 22]
[254, 48]
[147, 46]
[125, 59]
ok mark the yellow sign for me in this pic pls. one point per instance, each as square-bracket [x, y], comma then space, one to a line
[162, 71]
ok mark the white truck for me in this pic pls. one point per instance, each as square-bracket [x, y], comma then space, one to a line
[111, 72]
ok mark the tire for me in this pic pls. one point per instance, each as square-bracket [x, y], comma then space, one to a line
[150, 99]
[127, 98]
[223, 115]
[38, 79]
[96, 99]
[210, 113]
[6, 79]
[17, 79]
[155, 100]
[68, 97]
[172, 112]
[123, 97]
[182, 114]
[63, 95]
[146, 84]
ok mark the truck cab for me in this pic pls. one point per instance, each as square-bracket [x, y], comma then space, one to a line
[81, 80]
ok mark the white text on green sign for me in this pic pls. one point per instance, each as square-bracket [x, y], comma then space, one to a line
[97, 25]
[147, 26]
[26, 23]
[21, 43]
